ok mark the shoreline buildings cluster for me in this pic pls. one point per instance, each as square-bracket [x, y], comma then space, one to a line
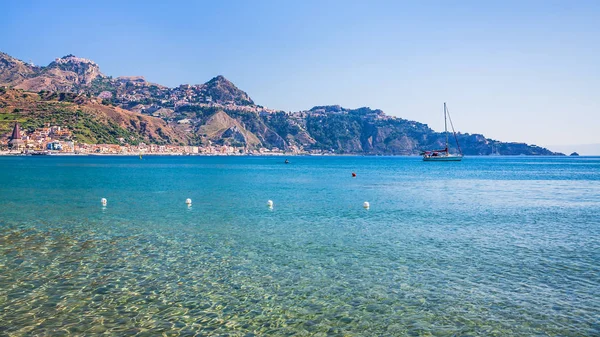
[50, 138]
[59, 140]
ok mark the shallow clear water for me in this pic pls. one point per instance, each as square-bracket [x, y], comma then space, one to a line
[505, 246]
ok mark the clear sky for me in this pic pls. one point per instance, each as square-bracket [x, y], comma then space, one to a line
[513, 70]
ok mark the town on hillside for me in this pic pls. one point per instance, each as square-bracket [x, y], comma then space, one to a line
[59, 140]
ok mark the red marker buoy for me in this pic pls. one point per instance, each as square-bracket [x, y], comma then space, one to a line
[353, 174]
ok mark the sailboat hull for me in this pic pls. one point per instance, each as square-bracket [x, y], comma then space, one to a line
[442, 158]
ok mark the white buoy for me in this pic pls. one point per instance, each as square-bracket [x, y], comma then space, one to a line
[366, 205]
[103, 201]
[188, 201]
[270, 203]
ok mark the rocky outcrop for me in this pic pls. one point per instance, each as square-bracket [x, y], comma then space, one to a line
[65, 74]
[220, 128]
[76, 69]
[14, 71]
[221, 90]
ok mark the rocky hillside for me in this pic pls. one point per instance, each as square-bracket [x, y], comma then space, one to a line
[90, 121]
[220, 113]
[368, 131]
[221, 128]
[65, 74]
[221, 90]
[14, 71]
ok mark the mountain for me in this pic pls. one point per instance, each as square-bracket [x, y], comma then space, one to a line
[14, 71]
[221, 90]
[65, 74]
[217, 112]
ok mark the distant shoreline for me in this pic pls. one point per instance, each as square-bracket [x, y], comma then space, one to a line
[71, 154]
[167, 154]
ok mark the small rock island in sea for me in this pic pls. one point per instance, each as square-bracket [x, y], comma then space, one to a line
[574, 154]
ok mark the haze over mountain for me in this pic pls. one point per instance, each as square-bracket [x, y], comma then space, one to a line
[215, 112]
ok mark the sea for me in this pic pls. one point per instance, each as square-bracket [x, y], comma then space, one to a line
[490, 246]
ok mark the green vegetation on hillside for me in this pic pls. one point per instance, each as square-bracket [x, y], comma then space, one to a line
[334, 132]
[88, 123]
[85, 128]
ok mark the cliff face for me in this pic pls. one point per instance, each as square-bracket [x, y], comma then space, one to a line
[222, 129]
[74, 69]
[219, 112]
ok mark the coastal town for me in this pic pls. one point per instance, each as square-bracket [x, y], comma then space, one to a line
[59, 140]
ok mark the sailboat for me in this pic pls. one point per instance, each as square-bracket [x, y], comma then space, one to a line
[444, 155]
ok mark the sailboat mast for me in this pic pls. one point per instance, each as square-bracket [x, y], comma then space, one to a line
[446, 127]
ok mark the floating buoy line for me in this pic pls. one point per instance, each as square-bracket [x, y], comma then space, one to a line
[270, 203]
[188, 201]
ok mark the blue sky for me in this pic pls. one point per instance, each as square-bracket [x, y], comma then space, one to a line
[513, 70]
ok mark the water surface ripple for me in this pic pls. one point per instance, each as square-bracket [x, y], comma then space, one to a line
[505, 246]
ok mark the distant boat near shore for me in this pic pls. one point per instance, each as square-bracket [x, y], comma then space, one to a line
[39, 153]
[444, 154]
[494, 151]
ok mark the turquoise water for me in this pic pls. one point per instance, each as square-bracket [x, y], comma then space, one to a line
[502, 246]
